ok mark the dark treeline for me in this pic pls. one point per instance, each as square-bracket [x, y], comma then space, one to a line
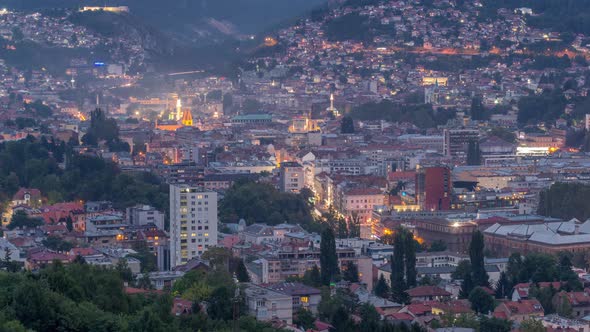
[263, 203]
[81, 297]
[422, 115]
[34, 163]
[565, 201]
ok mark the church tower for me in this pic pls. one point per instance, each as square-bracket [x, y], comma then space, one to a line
[187, 118]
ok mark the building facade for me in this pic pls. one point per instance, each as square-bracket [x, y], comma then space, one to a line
[434, 188]
[292, 177]
[456, 141]
[193, 222]
[144, 214]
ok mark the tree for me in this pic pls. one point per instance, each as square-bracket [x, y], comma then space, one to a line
[494, 325]
[476, 248]
[503, 134]
[545, 296]
[410, 259]
[351, 273]
[354, 225]
[124, 271]
[341, 320]
[466, 286]
[144, 282]
[477, 110]
[565, 272]
[220, 304]
[58, 244]
[532, 325]
[398, 282]
[369, 318]
[562, 305]
[382, 288]
[21, 219]
[218, 258]
[481, 301]
[69, 224]
[147, 320]
[303, 318]
[438, 245]
[347, 125]
[514, 267]
[313, 277]
[242, 272]
[503, 286]
[328, 257]
[463, 269]
[473, 153]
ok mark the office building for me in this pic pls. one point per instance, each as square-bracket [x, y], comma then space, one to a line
[456, 141]
[434, 188]
[142, 215]
[193, 222]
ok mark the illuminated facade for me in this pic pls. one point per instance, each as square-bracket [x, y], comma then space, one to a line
[440, 81]
[117, 9]
[332, 109]
[187, 118]
[178, 109]
[193, 222]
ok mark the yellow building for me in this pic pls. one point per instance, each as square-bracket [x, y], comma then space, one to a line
[440, 81]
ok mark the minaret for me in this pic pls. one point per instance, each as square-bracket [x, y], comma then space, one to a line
[332, 108]
[178, 109]
[331, 101]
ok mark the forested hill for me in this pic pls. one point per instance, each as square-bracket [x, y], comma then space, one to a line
[245, 16]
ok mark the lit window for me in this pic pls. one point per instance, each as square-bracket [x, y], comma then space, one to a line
[304, 299]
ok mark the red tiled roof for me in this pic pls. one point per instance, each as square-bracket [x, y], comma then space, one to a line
[363, 191]
[455, 306]
[400, 316]
[577, 298]
[20, 194]
[83, 251]
[133, 290]
[321, 326]
[47, 256]
[523, 288]
[500, 315]
[522, 307]
[396, 176]
[418, 309]
[181, 306]
[423, 291]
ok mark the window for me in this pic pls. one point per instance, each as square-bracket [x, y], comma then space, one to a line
[304, 299]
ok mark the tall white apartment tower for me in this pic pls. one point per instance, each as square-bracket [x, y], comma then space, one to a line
[193, 222]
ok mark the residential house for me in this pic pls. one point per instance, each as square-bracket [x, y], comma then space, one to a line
[428, 293]
[303, 296]
[579, 301]
[519, 311]
[265, 304]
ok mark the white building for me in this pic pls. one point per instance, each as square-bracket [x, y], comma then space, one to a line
[143, 215]
[266, 304]
[193, 222]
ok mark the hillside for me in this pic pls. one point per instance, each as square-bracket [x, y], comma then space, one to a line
[188, 18]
